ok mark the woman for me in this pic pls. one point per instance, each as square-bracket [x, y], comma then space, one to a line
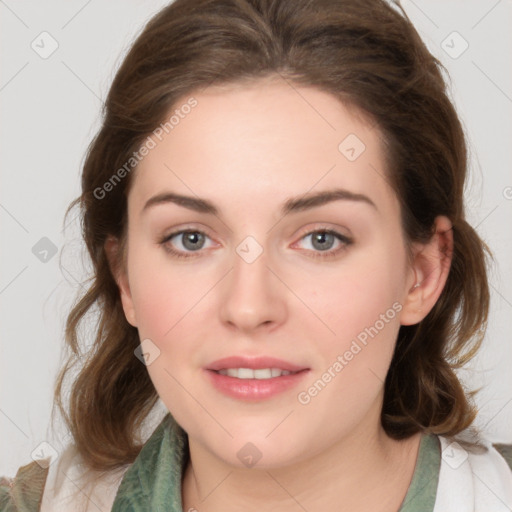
[274, 210]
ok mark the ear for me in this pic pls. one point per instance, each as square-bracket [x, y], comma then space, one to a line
[429, 272]
[112, 247]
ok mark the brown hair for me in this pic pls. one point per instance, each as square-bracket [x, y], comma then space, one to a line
[368, 55]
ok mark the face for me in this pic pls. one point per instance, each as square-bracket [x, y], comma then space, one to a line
[322, 285]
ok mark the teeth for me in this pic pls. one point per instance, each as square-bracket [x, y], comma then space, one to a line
[249, 373]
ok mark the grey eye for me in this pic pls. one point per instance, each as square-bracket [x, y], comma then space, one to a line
[192, 240]
[322, 240]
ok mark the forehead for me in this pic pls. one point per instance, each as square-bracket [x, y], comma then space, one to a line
[245, 145]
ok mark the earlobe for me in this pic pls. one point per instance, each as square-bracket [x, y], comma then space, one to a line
[121, 278]
[431, 267]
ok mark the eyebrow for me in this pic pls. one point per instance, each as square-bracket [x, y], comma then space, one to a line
[291, 205]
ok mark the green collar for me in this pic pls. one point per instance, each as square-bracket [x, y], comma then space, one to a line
[421, 495]
[153, 481]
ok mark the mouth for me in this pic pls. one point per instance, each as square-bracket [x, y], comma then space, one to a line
[252, 379]
[259, 373]
[244, 367]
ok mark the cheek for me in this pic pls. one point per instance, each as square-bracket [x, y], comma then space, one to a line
[353, 363]
[359, 308]
[169, 313]
[162, 291]
[172, 303]
[354, 296]
[158, 302]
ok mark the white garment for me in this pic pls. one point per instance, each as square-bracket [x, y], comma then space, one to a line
[68, 487]
[471, 481]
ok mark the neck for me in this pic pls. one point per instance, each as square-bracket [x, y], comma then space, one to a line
[366, 470]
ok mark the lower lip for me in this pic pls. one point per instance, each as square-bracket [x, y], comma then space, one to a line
[254, 389]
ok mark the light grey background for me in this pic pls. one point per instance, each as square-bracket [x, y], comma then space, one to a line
[50, 111]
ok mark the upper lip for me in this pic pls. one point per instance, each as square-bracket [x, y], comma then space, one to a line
[253, 363]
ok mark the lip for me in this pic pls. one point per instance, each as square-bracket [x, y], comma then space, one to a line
[254, 363]
[254, 389]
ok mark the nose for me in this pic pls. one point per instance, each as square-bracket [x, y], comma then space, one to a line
[253, 298]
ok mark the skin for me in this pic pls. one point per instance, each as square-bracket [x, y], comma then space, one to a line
[247, 149]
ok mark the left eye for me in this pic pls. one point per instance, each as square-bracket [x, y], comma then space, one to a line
[324, 239]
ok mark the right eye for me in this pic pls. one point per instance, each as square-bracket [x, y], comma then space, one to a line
[191, 241]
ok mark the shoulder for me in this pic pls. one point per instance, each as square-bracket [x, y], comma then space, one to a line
[59, 486]
[71, 486]
[24, 491]
[505, 450]
[477, 449]
[474, 473]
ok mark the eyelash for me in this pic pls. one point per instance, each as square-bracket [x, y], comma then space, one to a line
[332, 253]
[324, 255]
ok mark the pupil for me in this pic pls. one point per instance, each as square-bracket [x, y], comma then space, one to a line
[321, 238]
[192, 239]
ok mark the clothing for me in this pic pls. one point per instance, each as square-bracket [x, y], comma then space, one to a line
[446, 478]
